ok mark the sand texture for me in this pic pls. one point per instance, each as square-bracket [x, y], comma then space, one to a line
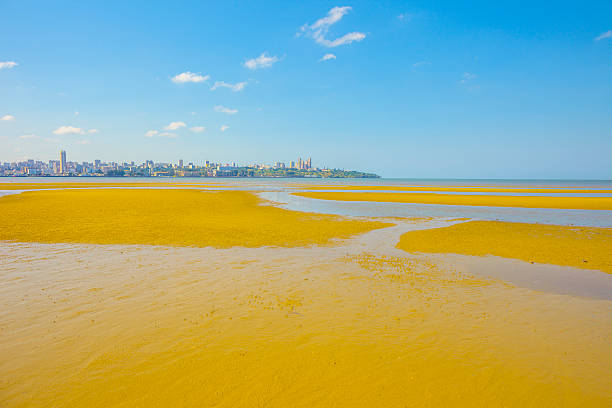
[575, 203]
[165, 217]
[579, 247]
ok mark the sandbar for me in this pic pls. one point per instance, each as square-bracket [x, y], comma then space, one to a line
[579, 247]
[574, 203]
[175, 217]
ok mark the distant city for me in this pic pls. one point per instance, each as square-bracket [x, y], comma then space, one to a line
[97, 168]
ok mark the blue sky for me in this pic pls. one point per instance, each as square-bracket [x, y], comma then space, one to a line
[475, 89]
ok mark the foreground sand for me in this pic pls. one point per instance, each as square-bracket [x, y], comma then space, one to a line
[220, 219]
[573, 203]
[246, 305]
[579, 247]
[100, 326]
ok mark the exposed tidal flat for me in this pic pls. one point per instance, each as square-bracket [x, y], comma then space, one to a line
[198, 297]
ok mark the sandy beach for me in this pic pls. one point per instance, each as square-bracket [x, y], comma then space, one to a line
[192, 297]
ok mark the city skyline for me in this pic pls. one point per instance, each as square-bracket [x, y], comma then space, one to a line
[149, 168]
[422, 89]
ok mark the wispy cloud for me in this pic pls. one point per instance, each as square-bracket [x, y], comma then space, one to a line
[151, 133]
[320, 28]
[168, 134]
[28, 137]
[189, 76]
[8, 64]
[237, 87]
[197, 129]
[224, 128]
[7, 118]
[467, 77]
[68, 130]
[328, 57]
[223, 109]
[404, 17]
[175, 126]
[93, 131]
[263, 61]
[83, 142]
[603, 36]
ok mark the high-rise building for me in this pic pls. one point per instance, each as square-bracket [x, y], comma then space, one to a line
[300, 164]
[292, 164]
[309, 163]
[181, 163]
[63, 168]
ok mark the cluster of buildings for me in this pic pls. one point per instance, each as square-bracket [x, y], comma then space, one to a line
[62, 167]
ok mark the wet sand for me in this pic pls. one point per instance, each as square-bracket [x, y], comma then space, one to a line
[576, 203]
[271, 307]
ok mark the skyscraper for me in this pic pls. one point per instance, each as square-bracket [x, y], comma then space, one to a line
[63, 168]
[309, 163]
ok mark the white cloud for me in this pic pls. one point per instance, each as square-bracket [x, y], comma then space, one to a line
[175, 126]
[197, 129]
[224, 128]
[345, 39]
[320, 28]
[28, 137]
[76, 113]
[467, 77]
[603, 36]
[404, 17]
[223, 109]
[237, 87]
[7, 118]
[8, 64]
[263, 61]
[151, 133]
[189, 77]
[168, 134]
[84, 142]
[328, 57]
[68, 130]
[93, 131]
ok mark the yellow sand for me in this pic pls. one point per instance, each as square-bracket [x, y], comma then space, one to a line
[580, 247]
[102, 327]
[574, 203]
[165, 217]
[40, 186]
[461, 189]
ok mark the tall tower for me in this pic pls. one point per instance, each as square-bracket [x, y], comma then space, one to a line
[63, 168]
[310, 163]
